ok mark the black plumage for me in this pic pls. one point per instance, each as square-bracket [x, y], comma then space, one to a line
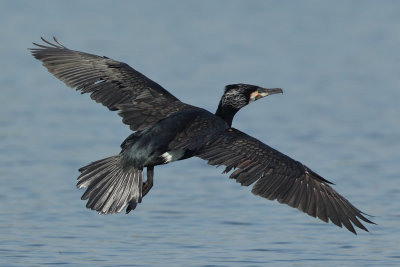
[167, 129]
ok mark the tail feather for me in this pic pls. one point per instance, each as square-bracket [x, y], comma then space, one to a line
[110, 185]
[129, 193]
[125, 194]
[98, 181]
[95, 171]
[103, 190]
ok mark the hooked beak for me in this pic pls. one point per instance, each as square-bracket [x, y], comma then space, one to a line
[262, 92]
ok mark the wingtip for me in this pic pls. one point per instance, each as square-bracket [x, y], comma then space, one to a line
[369, 215]
[56, 44]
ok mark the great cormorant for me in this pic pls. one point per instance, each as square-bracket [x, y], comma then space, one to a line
[166, 130]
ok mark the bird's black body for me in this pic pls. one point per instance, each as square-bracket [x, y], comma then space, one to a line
[167, 130]
[182, 135]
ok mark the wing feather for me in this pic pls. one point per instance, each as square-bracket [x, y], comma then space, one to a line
[112, 83]
[277, 176]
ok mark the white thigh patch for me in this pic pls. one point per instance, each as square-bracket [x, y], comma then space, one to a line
[167, 157]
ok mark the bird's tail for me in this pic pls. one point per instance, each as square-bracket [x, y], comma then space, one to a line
[111, 185]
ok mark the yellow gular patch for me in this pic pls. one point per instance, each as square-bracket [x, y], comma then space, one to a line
[254, 95]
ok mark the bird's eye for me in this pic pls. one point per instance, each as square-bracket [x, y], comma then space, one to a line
[259, 90]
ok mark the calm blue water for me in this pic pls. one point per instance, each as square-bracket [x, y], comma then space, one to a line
[338, 63]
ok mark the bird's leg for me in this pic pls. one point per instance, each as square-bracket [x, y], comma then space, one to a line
[149, 182]
[140, 186]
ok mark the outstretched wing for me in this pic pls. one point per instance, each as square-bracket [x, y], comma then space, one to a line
[141, 102]
[277, 176]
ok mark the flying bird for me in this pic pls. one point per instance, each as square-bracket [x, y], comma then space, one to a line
[166, 130]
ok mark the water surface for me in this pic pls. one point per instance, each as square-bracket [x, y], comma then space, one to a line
[338, 64]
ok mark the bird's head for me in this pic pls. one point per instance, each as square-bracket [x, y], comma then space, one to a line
[239, 95]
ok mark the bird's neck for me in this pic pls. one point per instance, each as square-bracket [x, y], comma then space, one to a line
[226, 113]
